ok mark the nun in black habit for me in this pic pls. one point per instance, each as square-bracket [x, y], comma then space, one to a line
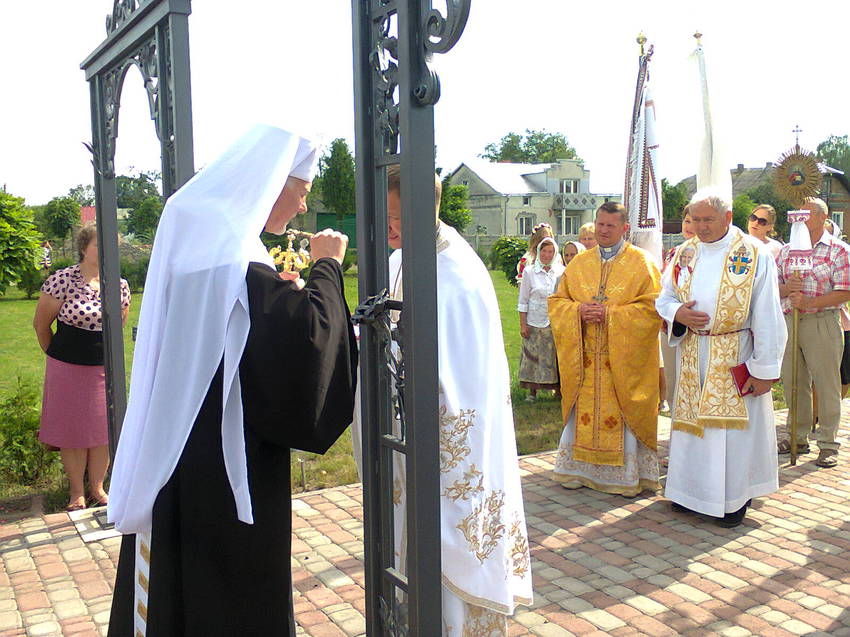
[233, 367]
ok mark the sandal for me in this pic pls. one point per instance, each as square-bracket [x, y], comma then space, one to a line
[827, 458]
[784, 447]
[77, 505]
[98, 501]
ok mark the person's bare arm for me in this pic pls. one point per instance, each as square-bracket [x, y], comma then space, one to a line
[46, 312]
[832, 299]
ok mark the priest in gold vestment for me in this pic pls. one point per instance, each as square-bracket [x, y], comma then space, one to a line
[606, 332]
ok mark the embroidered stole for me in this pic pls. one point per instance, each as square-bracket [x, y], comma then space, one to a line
[717, 404]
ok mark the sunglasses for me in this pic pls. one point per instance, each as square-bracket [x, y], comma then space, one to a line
[759, 220]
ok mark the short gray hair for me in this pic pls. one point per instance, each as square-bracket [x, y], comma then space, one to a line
[713, 197]
[818, 203]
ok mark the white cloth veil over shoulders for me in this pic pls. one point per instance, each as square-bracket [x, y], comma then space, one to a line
[195, 314]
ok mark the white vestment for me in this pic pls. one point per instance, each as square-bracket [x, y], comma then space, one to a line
[720, 472]
[486, 567]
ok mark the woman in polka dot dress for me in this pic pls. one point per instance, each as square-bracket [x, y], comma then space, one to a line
[73, 411]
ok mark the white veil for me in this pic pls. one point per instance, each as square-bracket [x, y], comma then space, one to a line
[194, 312]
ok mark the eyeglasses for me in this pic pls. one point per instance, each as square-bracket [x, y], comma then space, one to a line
[759, 220]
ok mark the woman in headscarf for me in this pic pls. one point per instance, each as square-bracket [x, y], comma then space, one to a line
[538, 363]
[233, 366]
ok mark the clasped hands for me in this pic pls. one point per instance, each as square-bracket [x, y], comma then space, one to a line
[592, 313]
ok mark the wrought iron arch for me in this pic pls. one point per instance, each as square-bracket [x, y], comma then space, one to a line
[152, 35]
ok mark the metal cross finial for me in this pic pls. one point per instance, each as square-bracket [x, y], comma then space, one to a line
[797, 130]
[641, 40]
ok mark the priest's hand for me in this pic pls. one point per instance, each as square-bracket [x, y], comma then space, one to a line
[690, 317]
[524, 331]
[592, 312]
[757, 386]
[328, 243]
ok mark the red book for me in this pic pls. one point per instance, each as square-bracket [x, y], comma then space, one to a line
[740, 374]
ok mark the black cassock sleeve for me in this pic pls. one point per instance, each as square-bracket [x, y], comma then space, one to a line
[298, 372]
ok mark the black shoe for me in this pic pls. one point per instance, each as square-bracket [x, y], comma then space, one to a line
[678, 508]
[731, 520]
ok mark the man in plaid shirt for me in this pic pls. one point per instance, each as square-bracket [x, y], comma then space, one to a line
[817, 295]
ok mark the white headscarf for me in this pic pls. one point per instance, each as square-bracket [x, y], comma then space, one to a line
[555, 265]
[194, 312]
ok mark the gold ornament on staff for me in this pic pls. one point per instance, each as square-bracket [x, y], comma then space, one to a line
[291, 261]
[796, 177]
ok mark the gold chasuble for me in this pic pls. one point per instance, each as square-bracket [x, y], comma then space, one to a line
[609, 371]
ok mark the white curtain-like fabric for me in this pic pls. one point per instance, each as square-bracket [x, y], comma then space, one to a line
[643, 188]
[195, 314]
[713, 171]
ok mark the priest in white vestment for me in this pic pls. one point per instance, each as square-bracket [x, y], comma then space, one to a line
[727, 312]
[486, 564]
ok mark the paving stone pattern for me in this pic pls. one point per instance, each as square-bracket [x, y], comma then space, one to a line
[602, 564]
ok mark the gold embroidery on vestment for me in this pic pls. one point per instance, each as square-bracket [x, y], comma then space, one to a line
[397, 485]
[483, 527]
[520, 556]
[716, 404]
[454, 437]
[483, 622]
[464, 489]
[143, 582]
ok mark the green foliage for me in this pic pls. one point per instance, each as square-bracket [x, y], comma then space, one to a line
[766, 194]
[61, 214]
[742, 206]
[349, 260]
[336, 184]
[144, 218]
[23, 459]
[83, 194]
[506, 253]
[834, 151]
[673, 199]
[19, 239]
[30, 280]
[453, 210]
[535, 147]
[135, 272]
[61, 262]
[132, 190]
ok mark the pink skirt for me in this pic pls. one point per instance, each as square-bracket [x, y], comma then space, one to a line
[73, 410]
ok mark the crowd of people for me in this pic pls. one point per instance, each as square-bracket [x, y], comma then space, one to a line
[619, 339]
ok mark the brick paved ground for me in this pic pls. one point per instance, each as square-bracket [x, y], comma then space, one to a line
[603, 565]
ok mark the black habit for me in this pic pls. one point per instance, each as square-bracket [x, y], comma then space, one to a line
[210, 574]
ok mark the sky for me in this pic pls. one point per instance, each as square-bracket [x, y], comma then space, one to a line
[567, 67]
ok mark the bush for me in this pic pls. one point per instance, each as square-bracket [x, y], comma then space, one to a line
[30, 281]
[60, 263]
[506, 253]
[135, 272]
[349, 260]
[23, 459]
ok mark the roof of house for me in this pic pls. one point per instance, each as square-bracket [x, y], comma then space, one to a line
[508, 179]
[745, 179]
[87, 214]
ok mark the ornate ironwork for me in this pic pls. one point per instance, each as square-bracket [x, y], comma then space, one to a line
[440, 35]
[122, 10]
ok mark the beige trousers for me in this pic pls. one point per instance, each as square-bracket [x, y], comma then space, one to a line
[820, 346]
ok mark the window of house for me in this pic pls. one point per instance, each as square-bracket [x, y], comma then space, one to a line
[569, 186]
[465, 182]
[526, 201]
[567, 224]
[525, 224]
[838, 219]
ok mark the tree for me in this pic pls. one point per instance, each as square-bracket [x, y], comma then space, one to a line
[835, 152]
[132, 190]
[82, 194]
[766, 194]
[19, 239]
[453, 210]
[61, 214]
[742, 206]
[535, 147]
[673, 199]
[144, 218]
[337, 179]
